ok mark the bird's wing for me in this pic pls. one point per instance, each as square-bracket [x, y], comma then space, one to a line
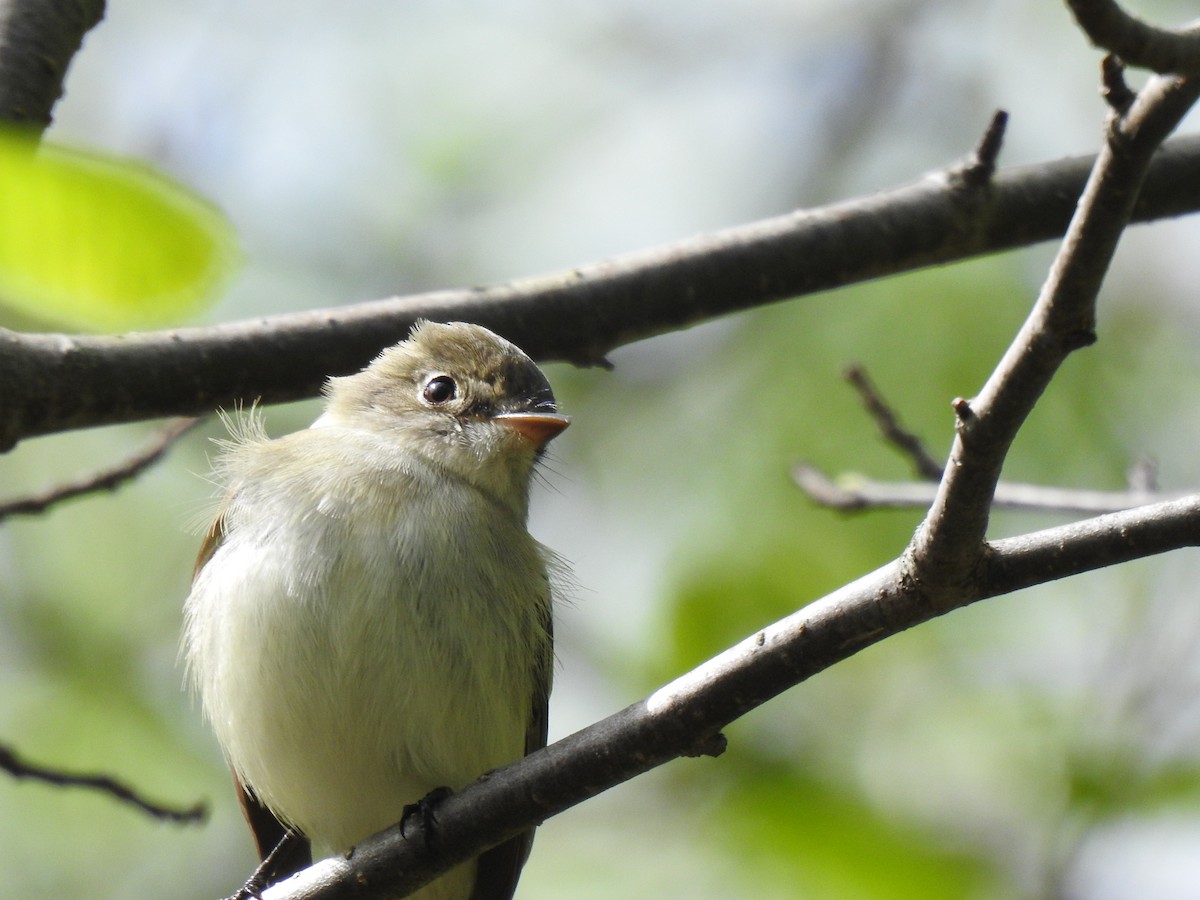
[499, 868]
[267, 830]
[288, 851]
[212, 540]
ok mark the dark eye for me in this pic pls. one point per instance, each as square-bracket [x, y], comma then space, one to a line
[440, 389]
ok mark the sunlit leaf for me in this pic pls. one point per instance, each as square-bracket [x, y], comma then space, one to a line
[93, 242]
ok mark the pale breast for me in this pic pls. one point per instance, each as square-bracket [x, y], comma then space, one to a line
[358, 642]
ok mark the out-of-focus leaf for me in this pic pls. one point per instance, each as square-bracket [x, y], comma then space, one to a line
[795, 829]
[1112, 785]
[93, 242]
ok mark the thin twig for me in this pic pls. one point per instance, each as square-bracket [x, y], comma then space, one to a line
[980, 166]
[18, 768]
[1113, 87]
[856, 493]
[104, 480]
[889, 425]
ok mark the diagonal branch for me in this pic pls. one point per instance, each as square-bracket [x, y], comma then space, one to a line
[685, 717]
[106, 479]
[889, 425]
[950, 544]
[52, 383]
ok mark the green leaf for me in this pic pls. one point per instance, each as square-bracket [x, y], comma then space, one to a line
[93, 242]
[823, 840]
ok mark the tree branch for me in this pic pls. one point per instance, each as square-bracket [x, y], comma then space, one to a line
[949, 545]
[38, 38]
[1016, 563]
[856, 493]
[51, 383]
[679, 717]
[851, 492]
[18, 768]
[104, 480]
[1137, 43]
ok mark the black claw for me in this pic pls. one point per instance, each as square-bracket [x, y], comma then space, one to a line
[424, 809]
[279, 863]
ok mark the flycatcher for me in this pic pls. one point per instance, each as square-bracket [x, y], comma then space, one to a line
[370, 619]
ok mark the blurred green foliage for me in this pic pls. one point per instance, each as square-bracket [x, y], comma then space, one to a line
[88, 241]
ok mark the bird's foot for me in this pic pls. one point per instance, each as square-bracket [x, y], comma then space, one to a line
[423, 811]
[278, 864]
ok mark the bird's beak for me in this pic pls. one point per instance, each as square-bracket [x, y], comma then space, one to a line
[537, 428]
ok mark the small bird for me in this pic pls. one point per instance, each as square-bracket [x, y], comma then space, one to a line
[370, 619]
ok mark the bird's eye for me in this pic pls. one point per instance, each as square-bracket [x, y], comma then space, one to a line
[440, 389]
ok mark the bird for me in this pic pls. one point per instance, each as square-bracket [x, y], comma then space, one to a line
[370, 620]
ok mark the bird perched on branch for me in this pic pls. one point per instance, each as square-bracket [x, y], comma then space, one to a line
[370, 619]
